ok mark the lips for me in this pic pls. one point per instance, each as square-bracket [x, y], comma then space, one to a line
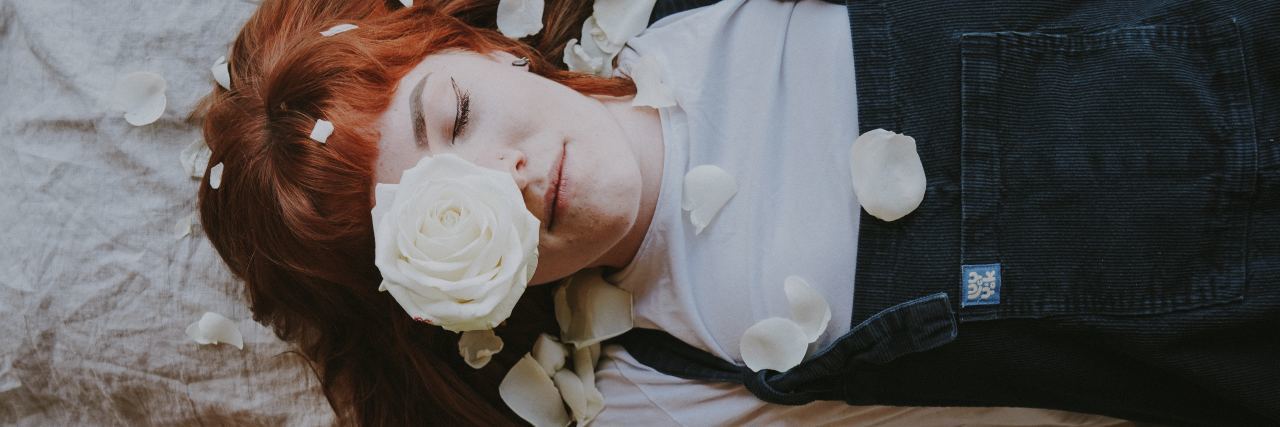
[552, 197]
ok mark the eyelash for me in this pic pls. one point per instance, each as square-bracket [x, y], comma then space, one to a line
[464, 110]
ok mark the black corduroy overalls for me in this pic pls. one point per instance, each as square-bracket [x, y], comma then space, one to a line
[1101, 227]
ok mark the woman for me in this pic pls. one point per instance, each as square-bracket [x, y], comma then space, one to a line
[291, 216]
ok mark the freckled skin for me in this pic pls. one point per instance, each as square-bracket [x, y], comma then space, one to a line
[519, 122]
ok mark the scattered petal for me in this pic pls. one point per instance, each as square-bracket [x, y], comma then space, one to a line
[706, 189]
[774, 343]
[195, 158]
[183, 227]
[888, 177]
[338, 29]
[214, 328]
[141, 96]
[598, 310]
[222, 72]
[531, 394]
[477, 347]
[520, 18]
[651, 90]
[549, 353]
[593, 53]
[595, 41]
[809, 308]
[571, 391]
[215, 176]
[584, 365]
[577, 59]
[564, 317]
[621, 20]
[593, 37]
[320, 133]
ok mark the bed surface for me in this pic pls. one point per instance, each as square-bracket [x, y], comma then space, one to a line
[96, 289]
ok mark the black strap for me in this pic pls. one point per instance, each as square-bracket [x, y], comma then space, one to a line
[913, 326]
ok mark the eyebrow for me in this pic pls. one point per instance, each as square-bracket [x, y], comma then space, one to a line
[415, 112]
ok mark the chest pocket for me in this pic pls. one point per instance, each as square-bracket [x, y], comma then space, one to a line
[1106, 172]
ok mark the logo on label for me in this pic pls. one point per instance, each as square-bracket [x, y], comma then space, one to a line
[980, 284]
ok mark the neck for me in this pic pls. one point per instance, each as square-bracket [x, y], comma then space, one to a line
[643, 130]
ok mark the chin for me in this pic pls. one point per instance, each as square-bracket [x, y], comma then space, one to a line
[550, 274]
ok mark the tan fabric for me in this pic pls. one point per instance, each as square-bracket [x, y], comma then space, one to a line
[95, 289]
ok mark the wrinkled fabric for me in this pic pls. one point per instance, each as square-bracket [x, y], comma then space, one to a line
[95, 289]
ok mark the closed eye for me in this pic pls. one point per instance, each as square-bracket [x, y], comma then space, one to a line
[461, 118]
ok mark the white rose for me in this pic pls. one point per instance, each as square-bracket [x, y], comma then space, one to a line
[454, 242]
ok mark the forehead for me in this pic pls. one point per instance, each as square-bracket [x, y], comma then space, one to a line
[447, 61]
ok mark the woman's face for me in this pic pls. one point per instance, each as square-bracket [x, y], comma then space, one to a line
[504, 117]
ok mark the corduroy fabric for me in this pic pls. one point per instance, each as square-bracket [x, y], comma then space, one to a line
[1119, 160]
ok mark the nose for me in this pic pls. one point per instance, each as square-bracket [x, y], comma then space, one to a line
[514, 162]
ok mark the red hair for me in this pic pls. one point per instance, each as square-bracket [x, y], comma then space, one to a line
[292, 217]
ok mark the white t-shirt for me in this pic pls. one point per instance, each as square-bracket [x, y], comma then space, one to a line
[765, 91]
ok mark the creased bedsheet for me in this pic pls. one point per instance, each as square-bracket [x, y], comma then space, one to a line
[96, 286]
[96, 289]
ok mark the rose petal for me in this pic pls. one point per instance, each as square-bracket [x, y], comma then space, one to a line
[384, 196]
[597, 309]
[571, 391]
[549, 353]
[774, 343]
[195, 158]
[809, 308]
[532, 395]
[477, 347]
[564, 317]
[888, 177]
[183, 227]
[584, 365]
[706, 189]
[221, 72]
[338, 29]
[214, 328]
[577, 59]
[593, 53]
[622, 19]
[651, 90]
[141, 96]
[596, 41]
[215, 176]
[321, 131]
[456, 245]
[520, 18]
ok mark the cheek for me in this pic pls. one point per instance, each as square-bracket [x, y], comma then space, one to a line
[393, 161]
